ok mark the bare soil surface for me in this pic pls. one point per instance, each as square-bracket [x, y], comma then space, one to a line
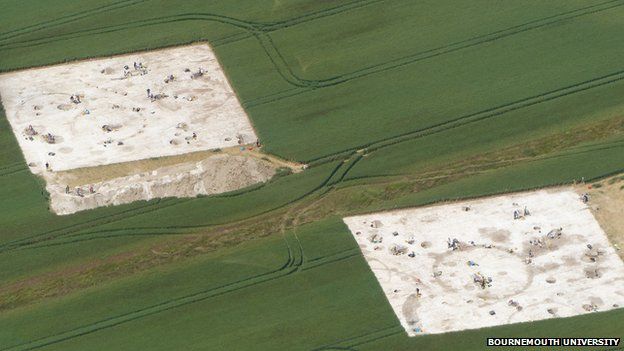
[147, 125]
[607, 204]
[491, 261]
[214, 174]
[90, 175]
[123, 108]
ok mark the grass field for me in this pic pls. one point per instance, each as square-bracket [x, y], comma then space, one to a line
[395, 104]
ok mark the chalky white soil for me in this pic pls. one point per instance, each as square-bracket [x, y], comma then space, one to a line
[213, 175]
[138, 127]
[533, 276]
[116, 121]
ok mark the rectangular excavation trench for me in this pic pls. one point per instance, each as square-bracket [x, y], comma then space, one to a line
[470, 264]
[95, 114]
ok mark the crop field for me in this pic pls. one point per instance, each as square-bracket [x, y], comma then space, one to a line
[390, 103]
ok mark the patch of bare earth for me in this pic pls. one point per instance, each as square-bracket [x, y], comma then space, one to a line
[134, 127]
[189, 175]
[606, 201]
[491, 261]
[90, 175]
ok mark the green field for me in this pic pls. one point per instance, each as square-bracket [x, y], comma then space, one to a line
[394, 103]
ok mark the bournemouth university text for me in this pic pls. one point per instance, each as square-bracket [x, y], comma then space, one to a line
[553, 341]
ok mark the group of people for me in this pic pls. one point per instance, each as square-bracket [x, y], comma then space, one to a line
[49, 138]
[138, 66]
[452, 244]
[197, 74]
[75, 99]
[30, 131]
[153, 96]
[521, 214]
[79, 190]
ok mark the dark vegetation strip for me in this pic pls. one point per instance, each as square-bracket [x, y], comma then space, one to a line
[349, 253]
[270, 27]
[365, 340]
[267, 26]
[124, 26]
[269, 96]
[419, 56]
[228, 39]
